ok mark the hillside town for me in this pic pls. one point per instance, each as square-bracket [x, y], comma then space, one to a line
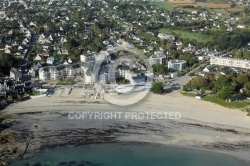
[53, 43]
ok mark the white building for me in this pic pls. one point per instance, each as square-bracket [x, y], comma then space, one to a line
[230, 62]
[102, 55]
[15, 73]
[50, 60]
[103, 77]
[121, 71]
[60, 71]
[173, 75]
[176, 65]
[170, 38]
[157, 60]
[90, 56]
[32, 72]
[91, 72]
[83, 58]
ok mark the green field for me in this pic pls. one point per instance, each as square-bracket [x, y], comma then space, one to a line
[201, 38]
[222, 11]
[189, 94]
[233, 104]
[164, 5]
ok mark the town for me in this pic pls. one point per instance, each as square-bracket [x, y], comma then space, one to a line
[51, 44]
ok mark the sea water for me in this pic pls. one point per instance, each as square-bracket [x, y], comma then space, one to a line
[132, 154]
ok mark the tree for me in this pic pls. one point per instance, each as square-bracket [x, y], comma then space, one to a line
[158, 69]
[221, 82]
[247, 85]
[226, 92]
[6, 62]
[233, 4]
[189, 58]
[199, 82]
[203, 90]
[247, 88]
[242, 79]
[157, 88]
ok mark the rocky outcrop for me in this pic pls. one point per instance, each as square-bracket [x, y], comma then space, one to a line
[8, 149]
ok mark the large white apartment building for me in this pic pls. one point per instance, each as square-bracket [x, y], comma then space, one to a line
[61, 71]
[230, 62]
[121, 71]
[157, 60]
[176, 65]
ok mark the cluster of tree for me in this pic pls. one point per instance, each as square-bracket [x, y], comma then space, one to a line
[241, 53]
[159, 69]
[230, 40]
[6, 62]
[189, 58]
[224, 86]
[157, 88]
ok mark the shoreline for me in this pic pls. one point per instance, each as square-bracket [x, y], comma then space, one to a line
[141, 143]
[237, 157]
[203, 125]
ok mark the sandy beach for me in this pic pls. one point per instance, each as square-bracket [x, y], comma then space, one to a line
[44, 122]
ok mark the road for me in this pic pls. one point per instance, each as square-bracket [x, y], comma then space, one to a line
[24, 62]
[184, 79]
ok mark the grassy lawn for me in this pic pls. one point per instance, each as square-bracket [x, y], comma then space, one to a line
[233, 104]
[164, 5]
[222, 11]
[201, 38]
[189, 94]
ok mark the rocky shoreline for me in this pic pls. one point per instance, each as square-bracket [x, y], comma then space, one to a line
[32, 132]
[37, 126]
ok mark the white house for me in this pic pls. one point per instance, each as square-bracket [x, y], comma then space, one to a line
[15, 74]
[37, 58]
[50, 60]
[83, 58]
[7, 51]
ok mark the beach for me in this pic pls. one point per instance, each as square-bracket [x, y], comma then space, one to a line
[44, 122]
